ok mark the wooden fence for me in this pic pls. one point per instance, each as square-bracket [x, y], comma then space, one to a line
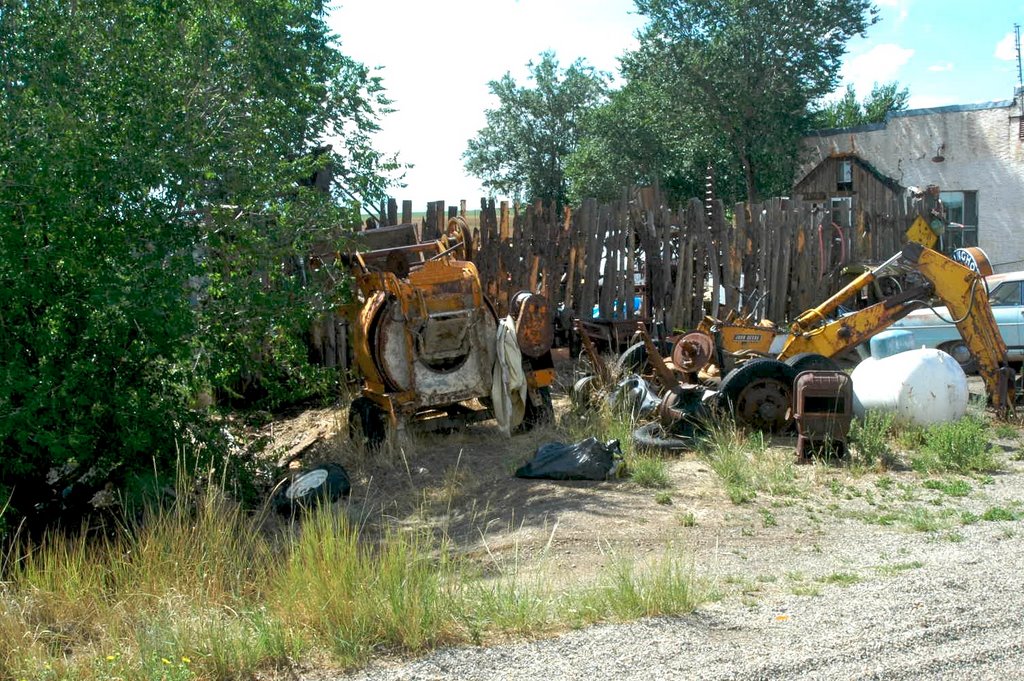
[776, 259]
[773, 259]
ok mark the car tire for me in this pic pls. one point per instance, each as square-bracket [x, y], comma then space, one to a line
[653, 437]
[959, 351]
[323, 484]
[634, 360]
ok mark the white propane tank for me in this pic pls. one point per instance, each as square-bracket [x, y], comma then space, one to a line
[921, 386]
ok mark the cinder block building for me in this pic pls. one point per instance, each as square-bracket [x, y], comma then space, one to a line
[973, 152]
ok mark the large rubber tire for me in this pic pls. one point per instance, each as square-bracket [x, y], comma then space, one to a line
[323, 484]
[653, 438]
[367, 423]
[959, 351]
[542, 414]
[812, 361]
[759, 394]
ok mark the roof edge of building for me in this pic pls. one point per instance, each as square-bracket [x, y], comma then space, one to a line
[952, 108]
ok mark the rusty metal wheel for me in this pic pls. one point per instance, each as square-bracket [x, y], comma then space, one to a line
[759, 394]
[693, 351]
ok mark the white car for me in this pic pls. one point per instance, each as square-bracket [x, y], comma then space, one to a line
[934, 328]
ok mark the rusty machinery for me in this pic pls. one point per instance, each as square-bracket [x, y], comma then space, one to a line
[424, 340]
[823, 412]
[759, 391]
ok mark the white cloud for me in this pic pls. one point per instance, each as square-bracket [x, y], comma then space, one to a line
[939, 68]
[880, 64]
[928, 101]
[439, 56]
[1006, 49]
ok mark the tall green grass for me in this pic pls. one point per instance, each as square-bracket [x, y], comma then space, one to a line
[959, 447]
[628, 591]
[746, 464]
[352, 596]
[870, 439]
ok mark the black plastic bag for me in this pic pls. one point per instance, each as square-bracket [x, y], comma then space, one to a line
[585, 460]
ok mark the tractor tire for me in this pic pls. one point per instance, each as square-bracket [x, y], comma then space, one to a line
[367, 423]
[759, 394]
[812, 361]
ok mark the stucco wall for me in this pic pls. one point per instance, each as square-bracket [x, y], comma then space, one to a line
[982, 152]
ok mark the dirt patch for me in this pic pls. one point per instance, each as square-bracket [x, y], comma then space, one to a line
[462, 486]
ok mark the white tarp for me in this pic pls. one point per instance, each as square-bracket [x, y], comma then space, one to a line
[508, 388]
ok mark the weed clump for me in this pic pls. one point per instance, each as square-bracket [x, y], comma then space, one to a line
[870, 439]
[746, 464]
[648, 471]
[959, 447]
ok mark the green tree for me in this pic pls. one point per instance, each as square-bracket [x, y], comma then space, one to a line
[638, 138]
[622, 142]
[847, 112]
[743, 73]
[522, 151]
[153, 163]
[883, 99]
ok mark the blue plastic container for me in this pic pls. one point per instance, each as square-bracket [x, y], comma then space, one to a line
[891, 342]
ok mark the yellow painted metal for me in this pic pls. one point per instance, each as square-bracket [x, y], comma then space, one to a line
[540, 378]
[960, 289]
[920, 232]
[739, 336]
[361, 340]
[423, 311]
[966, 297]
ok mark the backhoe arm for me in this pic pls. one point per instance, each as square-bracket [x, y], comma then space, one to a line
[960, 289]
[965, 295]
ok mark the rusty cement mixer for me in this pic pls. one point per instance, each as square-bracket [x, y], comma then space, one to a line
[424, 341]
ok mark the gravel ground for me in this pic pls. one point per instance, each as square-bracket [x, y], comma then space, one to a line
[922, 607]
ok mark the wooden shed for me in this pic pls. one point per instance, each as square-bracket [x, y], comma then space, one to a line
[848, 187]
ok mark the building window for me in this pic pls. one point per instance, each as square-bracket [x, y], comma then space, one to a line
[844, 175]
[962, 215]
[842, 211]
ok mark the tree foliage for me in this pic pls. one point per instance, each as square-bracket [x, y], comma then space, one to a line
[522, 151]
[639, 138]
[740, 75]
[847, 112]
[138, 140]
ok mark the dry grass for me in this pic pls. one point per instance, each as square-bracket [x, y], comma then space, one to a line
[202, 590]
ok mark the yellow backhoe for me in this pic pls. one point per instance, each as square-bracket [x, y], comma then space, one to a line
[760, 389]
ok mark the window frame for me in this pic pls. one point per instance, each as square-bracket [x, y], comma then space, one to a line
[964, 212]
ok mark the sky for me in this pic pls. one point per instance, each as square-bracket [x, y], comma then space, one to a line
[436, 58]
